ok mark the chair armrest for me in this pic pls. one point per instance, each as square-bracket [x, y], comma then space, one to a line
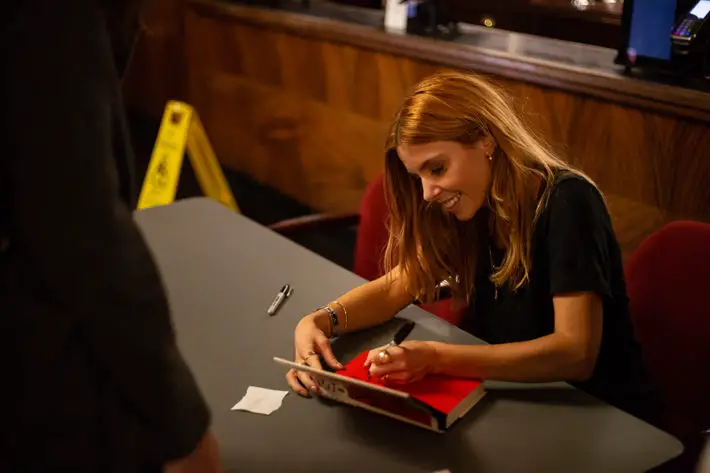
[313, 222]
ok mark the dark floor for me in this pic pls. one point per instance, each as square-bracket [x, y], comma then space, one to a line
[259, 202]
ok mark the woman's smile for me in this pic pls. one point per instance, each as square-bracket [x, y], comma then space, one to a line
[450, 203]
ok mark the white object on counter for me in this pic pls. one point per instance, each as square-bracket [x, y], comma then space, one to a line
[396, 15]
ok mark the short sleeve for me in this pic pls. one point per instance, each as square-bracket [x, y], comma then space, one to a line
[578, 239]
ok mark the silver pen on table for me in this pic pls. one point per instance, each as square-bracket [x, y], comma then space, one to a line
[280, 298]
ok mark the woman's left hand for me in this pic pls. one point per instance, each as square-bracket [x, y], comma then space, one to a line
[410, 361]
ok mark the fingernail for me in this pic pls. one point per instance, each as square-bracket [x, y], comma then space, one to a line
[313, 387]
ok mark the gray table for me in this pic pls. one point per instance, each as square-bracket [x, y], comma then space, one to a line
[222, 271]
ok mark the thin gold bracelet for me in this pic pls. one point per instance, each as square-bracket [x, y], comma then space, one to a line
[345, 312]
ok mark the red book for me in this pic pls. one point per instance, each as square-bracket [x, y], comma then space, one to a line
[447, 395]
[435, 402]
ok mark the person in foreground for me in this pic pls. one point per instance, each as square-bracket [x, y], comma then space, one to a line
[524, 241]
[93, 380]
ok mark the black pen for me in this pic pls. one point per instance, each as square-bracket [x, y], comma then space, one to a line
[398, 338]
[402, 333]
[283, 294]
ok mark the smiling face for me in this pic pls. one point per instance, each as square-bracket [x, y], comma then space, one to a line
[455, 176]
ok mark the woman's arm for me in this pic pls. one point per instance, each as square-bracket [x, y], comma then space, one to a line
[569, 353]
[370, 304]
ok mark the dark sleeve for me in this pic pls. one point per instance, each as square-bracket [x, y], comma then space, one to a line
[76, 235]
[577, 242]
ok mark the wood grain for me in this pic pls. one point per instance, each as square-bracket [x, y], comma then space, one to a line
[309, 117]
[634, 221]
[604, 84]
[305, 110]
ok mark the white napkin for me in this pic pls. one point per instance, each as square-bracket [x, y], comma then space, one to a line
[260, 400]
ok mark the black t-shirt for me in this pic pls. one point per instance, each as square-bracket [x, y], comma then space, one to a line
[574, 249]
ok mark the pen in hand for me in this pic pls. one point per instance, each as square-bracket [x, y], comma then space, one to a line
[278, 301]
[401, 334]
[398, 338]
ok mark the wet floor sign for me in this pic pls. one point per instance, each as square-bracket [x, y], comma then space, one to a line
[181, 128]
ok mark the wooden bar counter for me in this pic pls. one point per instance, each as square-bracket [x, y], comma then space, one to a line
[301, 97]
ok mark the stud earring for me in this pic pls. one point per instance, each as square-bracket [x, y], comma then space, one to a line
[490, 157]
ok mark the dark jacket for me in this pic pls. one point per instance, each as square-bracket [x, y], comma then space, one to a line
[92, 379]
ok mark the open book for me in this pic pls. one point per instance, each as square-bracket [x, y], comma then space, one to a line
[435, 402]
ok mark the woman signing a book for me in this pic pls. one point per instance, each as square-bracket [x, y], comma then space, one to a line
[524, 241]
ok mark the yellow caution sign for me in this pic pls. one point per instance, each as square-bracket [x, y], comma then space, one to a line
[181, 128]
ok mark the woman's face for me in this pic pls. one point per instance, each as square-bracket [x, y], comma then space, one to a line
[455, 176]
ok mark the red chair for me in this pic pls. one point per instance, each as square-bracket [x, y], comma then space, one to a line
[371, 238]
[668, 281]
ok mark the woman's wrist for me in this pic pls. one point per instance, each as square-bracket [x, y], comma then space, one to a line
[322, 320]
[437, 360]
[331, 318]
[460, 360]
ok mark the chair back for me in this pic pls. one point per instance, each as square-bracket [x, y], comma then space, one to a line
[371, 241]
[372, 231]
[668, 283]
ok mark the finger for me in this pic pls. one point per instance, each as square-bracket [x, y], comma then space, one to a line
[401, 377]
[395, 356]
[395, 353]
[312, 359]
[395, 366]
[307, 381]
[379, 371]
[418, 376]
[323, 347]
[372, 355]
[295, 384]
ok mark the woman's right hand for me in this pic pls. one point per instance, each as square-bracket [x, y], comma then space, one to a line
[311, 344]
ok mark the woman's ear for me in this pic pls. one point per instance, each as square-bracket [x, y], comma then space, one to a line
[488, 145]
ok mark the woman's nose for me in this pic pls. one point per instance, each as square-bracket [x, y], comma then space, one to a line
[430, 191]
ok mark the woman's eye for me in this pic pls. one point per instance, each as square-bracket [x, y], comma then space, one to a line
[438, 170]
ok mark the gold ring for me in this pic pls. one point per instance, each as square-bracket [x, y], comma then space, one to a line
[383, 357]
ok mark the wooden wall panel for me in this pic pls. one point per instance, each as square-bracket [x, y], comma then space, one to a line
[293, 143]
[309, 117]
[316, 102]
[274, 115]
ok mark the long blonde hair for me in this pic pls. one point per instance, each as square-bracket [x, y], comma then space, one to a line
[427, 245]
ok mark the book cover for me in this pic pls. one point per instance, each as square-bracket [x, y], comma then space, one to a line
[443, 393]
[435, 402]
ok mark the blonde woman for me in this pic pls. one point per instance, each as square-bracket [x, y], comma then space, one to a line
[524, 240]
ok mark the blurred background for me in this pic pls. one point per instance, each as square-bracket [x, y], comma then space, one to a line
[296, 96]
